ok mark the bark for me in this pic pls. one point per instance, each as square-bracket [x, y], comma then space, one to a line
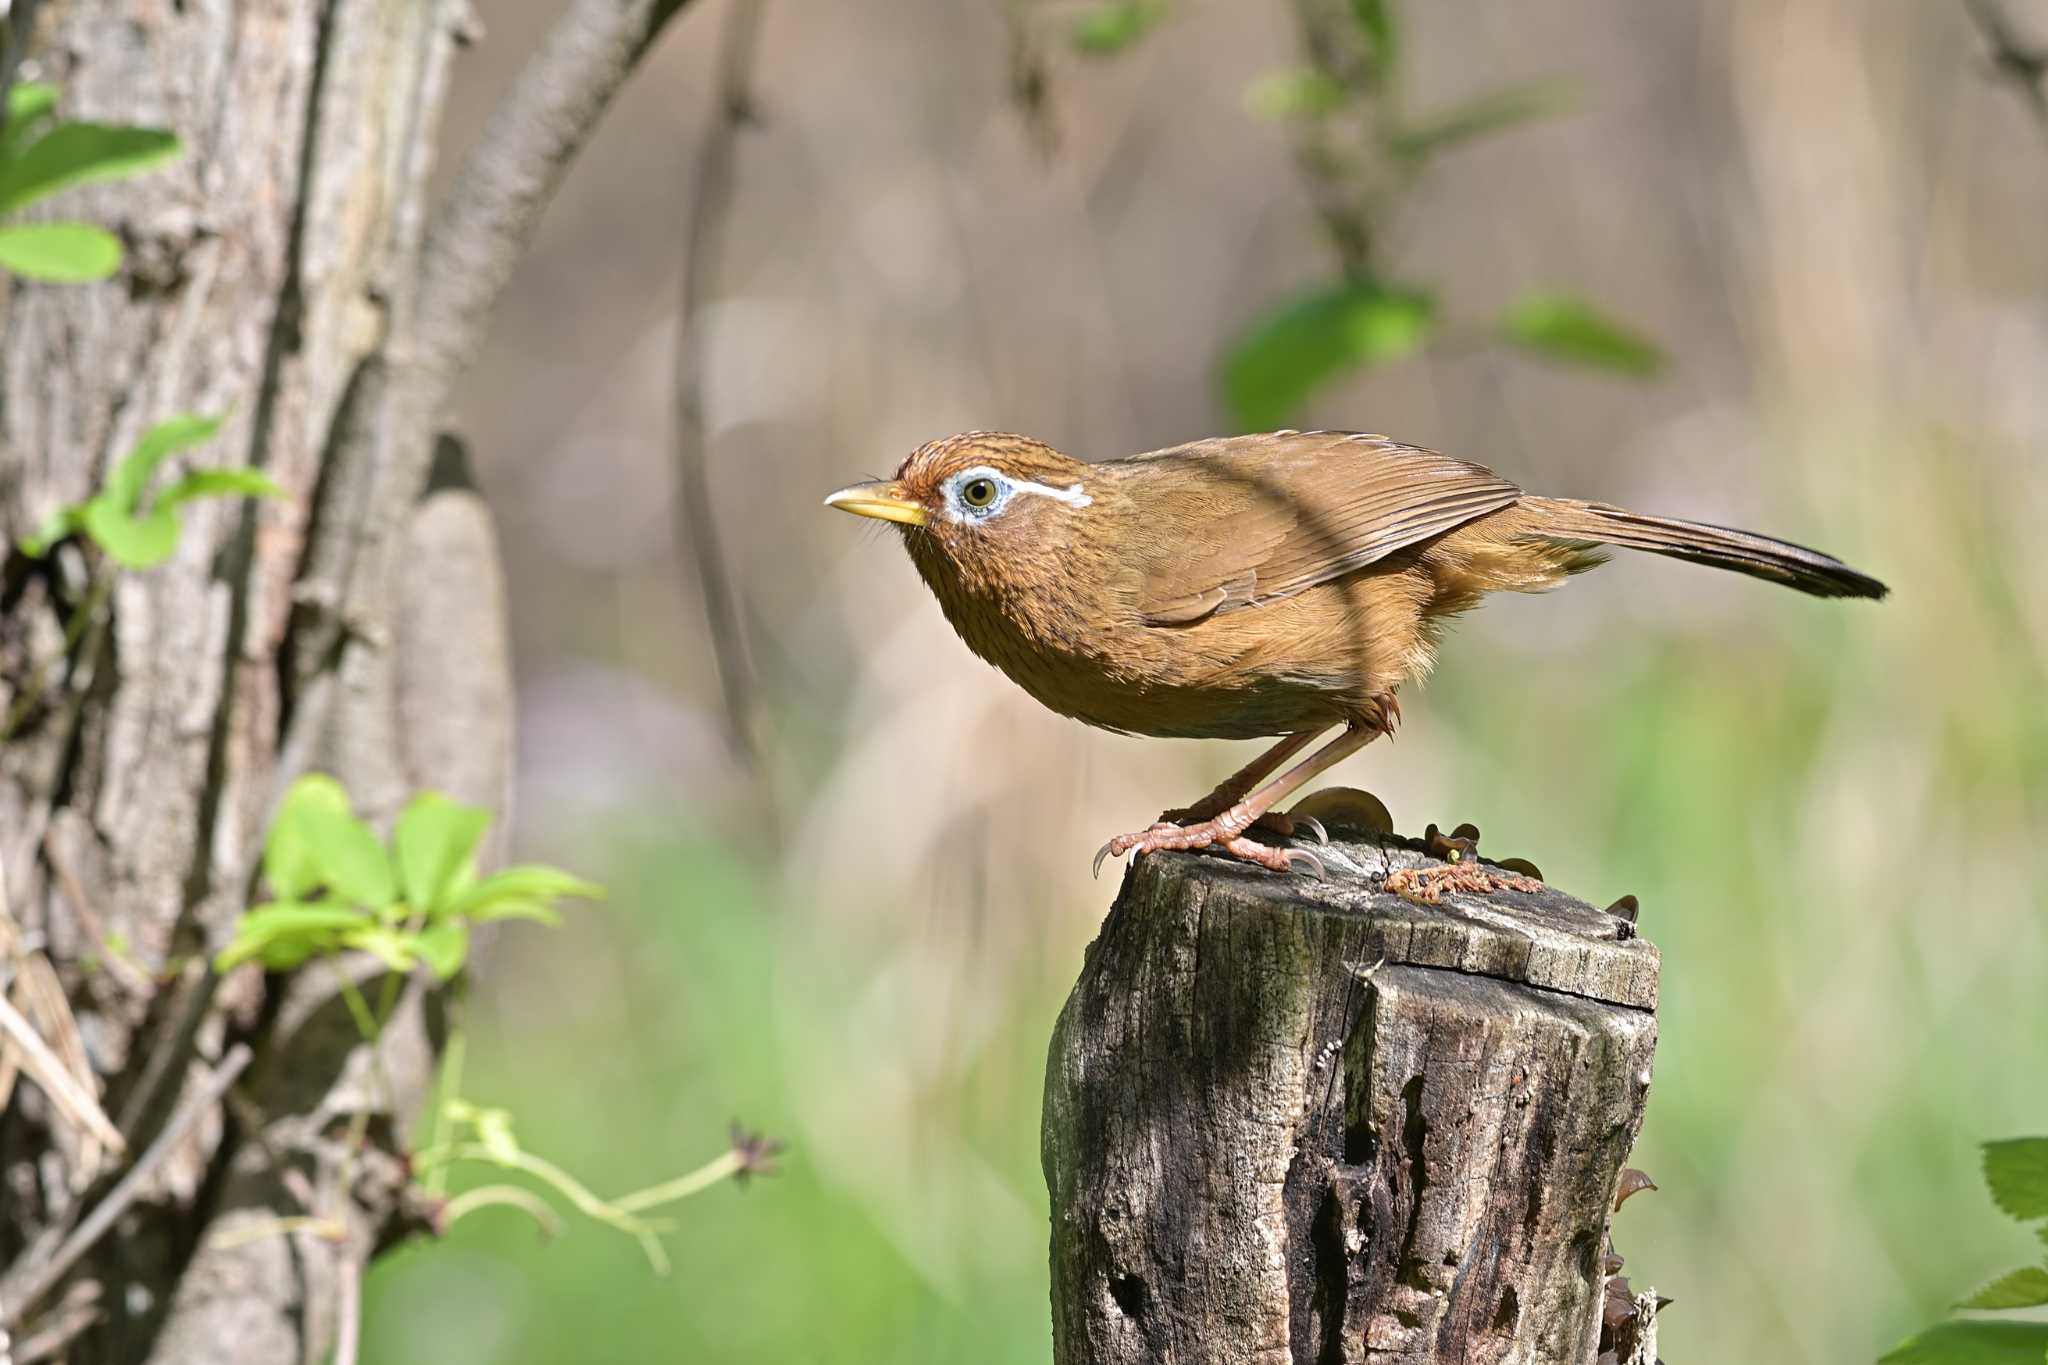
[1312, 1121]
[287, 271]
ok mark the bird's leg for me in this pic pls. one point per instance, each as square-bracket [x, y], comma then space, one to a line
[1227, 828]
[1239, 784]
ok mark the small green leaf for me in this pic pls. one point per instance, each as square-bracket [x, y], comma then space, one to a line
[397, 951]
[288, 863]
[1308, 342]
[1488, 113]
[435, 839]
[285, 934]
[61, 523]
[1302, 93]
[2017, 1172]
[350, 859]
[1110, 26]
[2026, 1288]
[220, 483]
[443, 946]
[524, 891]
[1562, 327]
[130, 477]
[29, 105]
[1376, 21]
[59, 253]
[77, 153]
[134, 542]
[1974, 1343]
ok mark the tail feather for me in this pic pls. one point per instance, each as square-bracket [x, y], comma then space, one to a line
[1722, 547]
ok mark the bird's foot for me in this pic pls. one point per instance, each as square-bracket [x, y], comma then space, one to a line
[1224, 832]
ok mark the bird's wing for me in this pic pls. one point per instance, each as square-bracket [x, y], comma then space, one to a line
[1235, 522]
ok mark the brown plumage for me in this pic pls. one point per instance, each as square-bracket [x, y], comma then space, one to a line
[1276, 584]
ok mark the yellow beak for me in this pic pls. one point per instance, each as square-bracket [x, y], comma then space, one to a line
[883, 500]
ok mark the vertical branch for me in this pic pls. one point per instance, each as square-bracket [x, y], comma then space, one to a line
[2022, 65]
[703, 256]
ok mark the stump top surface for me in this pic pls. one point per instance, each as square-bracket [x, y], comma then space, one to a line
[1545, 939]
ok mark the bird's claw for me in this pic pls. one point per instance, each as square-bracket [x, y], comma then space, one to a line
[1311, 864]
[1315, 827]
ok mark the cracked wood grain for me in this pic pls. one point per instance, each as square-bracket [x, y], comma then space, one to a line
[1315, 1123]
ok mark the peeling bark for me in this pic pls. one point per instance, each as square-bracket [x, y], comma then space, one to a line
[1312, 1122]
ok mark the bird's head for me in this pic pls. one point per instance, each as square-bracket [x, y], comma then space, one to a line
[985, 502]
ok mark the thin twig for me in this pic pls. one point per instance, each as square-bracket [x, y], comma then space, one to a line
[96, 1224]
[47, 1070]
[348, 1309]
[703, 259]
[2022, 65]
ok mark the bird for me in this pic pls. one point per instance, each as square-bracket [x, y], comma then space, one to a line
[1283, 584]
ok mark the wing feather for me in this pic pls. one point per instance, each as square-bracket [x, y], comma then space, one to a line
[1246, 520]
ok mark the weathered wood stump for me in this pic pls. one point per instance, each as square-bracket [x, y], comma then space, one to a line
[1290, 1120]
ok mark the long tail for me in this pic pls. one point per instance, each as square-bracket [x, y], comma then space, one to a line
[1569, 521]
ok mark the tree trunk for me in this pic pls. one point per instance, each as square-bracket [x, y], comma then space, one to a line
[281, 272]
[1303, 1121]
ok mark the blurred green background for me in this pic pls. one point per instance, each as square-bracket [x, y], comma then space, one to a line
[855, 931]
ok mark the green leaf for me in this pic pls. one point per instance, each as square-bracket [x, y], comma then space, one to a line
[397, 951]
[1488, 113]
[2026, 1288]
[1974, 1343]
[29, 106]
[1302, 93]
[350, 859]
[288, 862]
[443, 947]
[2017, 1172]
[220, 483]
[134, 542]
[1562, 327]
[1110, 26]
[435, 840]
[63, 522]
[59, 253]
[523, 892]
[125, 485]
[1376, 21]
[284, 934]
[1308, 342]
[77, 153]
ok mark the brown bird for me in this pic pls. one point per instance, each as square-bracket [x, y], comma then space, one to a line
[1251, 586]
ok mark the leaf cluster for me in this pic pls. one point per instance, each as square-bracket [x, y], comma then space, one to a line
[2016, 1170]
[39, 157]
[336, 886]
[140, 532]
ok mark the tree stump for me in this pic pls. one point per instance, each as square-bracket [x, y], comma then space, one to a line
[1291, 1120]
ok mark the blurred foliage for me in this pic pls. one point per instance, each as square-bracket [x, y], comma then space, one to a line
[40, 157]
[1364, 154]
[1110, 26]
[2016, 1170]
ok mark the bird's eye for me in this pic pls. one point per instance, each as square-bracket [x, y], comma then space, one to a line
[978, 492]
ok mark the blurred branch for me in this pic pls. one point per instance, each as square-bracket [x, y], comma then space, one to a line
[2014, 60]
[703, 259]
[517, 164]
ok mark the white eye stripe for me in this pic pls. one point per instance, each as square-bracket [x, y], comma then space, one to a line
[959, 510]
[1072, 495]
